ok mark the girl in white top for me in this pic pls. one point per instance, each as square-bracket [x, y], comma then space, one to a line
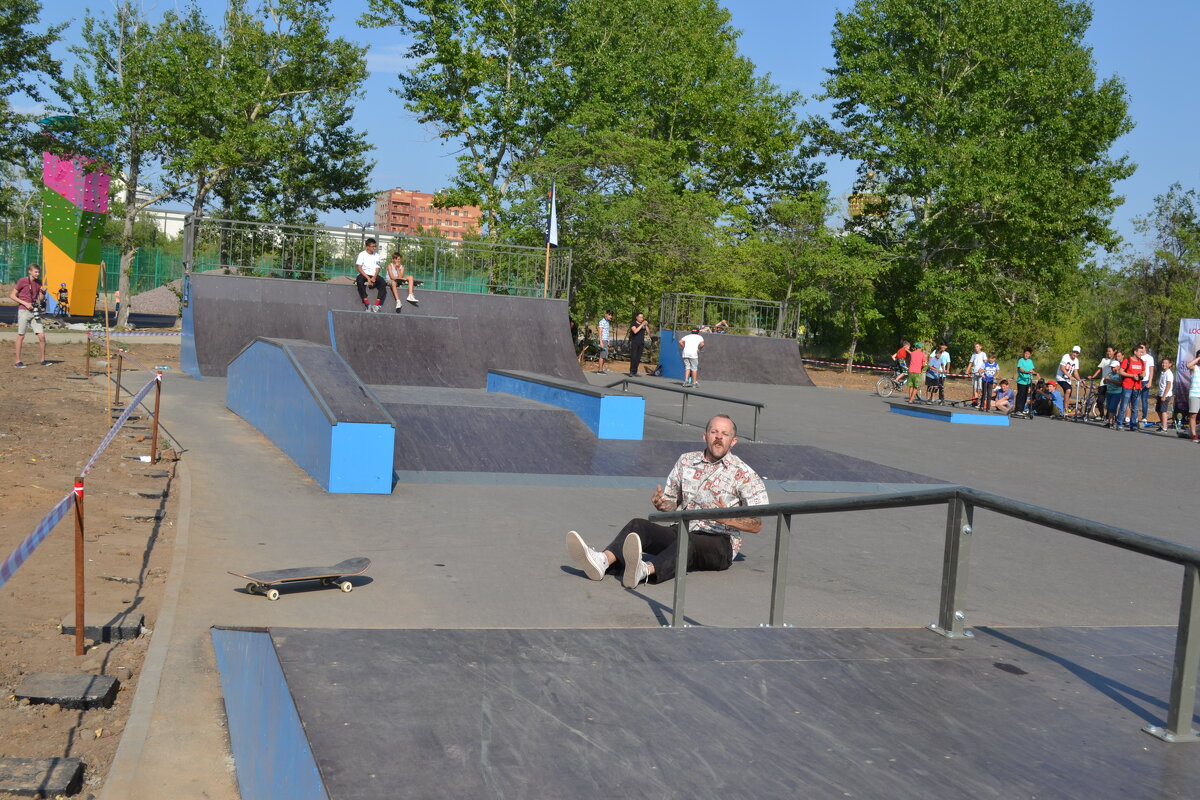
[1165, 406]
[1194, 394]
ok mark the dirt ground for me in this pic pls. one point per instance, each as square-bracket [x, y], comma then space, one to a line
[51, 420]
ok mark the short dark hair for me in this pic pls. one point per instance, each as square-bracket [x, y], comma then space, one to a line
[370, 241]
[609, 311]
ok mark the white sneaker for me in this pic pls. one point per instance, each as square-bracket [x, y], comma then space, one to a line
[635, 569]
[592, 562]
[412, 299]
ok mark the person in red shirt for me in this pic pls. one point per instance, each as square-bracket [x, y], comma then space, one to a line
[916, 366]
[28, 295]
[1130, 370]
[900, 359]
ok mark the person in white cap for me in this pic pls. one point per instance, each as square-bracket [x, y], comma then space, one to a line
[1068, 371]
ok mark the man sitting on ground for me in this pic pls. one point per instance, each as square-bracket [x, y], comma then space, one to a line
[712, 478]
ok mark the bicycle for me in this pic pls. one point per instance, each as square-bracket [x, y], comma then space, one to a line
[890, 384]
[1085, 401]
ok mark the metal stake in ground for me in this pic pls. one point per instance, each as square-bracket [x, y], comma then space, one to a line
[154, 435]
[79, 648]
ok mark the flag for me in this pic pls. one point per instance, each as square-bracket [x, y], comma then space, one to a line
[552, 222]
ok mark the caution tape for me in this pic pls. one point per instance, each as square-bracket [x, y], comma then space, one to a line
[842, 364]
[123, 334]
[24, 550]
[112, 432]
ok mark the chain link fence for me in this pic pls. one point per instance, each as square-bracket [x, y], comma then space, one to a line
[730, 315]
[320, 253]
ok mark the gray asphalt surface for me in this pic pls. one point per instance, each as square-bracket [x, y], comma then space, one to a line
[491, 554]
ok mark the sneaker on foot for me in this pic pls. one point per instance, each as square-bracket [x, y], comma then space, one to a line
[412, 300]
[19, 365]
[397, 308]
[635, 569]
[45, 363]
[593, 563]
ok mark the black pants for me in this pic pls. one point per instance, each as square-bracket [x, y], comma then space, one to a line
[635, 354]
[380, 288]
[985, 402]
[706, 551]
[1022, 396]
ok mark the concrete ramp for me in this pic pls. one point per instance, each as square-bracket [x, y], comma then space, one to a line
[477, 331]
[745, 359]
[419, 348]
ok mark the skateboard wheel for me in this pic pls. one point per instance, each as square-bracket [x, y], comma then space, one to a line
[252, 588]
[346, 586]
[272, 594]
[327, 581]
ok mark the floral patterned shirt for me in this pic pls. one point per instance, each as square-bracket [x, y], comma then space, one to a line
[695, 483]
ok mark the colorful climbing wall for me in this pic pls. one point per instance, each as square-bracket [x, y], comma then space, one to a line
[74, 207]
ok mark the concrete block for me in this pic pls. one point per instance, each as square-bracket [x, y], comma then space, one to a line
[104, 626]
[77, 690]
[41, 777]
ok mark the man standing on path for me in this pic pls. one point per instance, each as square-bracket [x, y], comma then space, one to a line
[975, 370]
[690, 347]
[368, 264]
[1144, 394]
[637, 342]
[712, 478]
[1068, 372]
[28, 295]
[605, 339]
[916, 364]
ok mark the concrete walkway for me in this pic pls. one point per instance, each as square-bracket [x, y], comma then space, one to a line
[491, 555]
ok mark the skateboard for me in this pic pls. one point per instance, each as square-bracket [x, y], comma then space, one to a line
[264, 582]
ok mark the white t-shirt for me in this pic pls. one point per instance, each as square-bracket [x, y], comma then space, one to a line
[1166, 378]
[977, 362]
[1148, 360]
[1067, 362]
[1106, 366]
[369, 262]
[691, 345]
[1194, 386]
[605, 331]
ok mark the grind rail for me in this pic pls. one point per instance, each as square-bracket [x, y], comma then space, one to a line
[961, 502]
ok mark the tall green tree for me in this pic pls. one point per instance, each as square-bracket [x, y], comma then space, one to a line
[270, 93]
[989, 134]
[114, 92]
[25, 62]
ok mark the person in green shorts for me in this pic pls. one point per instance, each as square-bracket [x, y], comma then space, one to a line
[1025, 375]
[916, 366]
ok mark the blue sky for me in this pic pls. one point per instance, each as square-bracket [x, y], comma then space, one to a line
[1147, 44]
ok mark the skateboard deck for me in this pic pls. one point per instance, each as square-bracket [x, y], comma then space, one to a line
[264, 582]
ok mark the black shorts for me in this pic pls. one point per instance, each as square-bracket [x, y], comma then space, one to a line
[931, 382]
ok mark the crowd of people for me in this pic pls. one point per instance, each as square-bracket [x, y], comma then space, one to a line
[1127, 381]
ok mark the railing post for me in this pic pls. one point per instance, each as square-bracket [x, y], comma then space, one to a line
[1183, 676]
[681, 560]
[117, 389]
[683, 414]
[87, 356]
[783, 536]
[955, 563]
[755, 435]
[154, 434]
[80, 621]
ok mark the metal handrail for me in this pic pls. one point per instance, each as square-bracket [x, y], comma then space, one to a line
[961, 502]
[624, 384]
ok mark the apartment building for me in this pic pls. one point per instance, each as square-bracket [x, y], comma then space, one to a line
[406, 211]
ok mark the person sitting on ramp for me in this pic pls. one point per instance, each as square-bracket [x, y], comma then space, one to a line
[395, 276]
[712, 478]
[368, 276]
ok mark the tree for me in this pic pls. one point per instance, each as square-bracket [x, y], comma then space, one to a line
[267, 108]
[989, 134]
[24, 58]
[114, 92]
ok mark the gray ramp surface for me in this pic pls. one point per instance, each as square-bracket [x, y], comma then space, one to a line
[524, 333]
[751, 359]
[723, 713]
[467, 431]
[476, 333]
[334, 382]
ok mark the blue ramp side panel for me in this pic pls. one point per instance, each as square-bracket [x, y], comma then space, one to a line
[953, 417]
[609, 416]
[668, 354]
[361, 456]
[270, 749]
[187, 344]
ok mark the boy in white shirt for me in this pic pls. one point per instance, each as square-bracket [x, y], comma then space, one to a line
[368, 277]
[1165, 405]
[690, 347]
